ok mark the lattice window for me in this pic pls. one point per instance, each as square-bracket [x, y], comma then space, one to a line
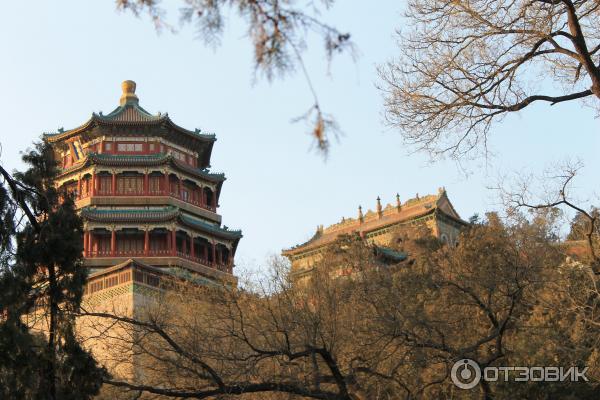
[130, 185]
[111, 281]
[130, 244]
[95, 286]
[154, 184]
[130, 147]
[104, 184]
[138, 276]
[125, 277]
[101, 244]
[152, 280]
[159, 242]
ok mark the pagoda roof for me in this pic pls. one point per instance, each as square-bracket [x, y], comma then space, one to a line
[145, 160]
[162, 214]
[412, 209]
[130, 114]
[173, 272]
[391, 254]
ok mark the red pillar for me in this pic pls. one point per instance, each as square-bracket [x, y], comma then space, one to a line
[174, 242]
[86, 236]
[205, 254]
[179, 195]
[113, 243]
[79, 188]
[214, 198]
[146, 242]
[91, 242]
[114, 183]
[146, 184]
[93, 184]
[167, 188]
[193, 251]
[214, 253]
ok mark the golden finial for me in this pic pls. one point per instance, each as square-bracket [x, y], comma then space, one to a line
[128, 95]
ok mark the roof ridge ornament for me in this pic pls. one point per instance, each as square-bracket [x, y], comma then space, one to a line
[128, 96]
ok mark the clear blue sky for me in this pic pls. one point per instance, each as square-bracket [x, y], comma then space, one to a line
[63, 60]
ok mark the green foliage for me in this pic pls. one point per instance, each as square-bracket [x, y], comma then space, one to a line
[41, 287]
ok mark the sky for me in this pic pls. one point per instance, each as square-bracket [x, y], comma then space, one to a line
[61, 61]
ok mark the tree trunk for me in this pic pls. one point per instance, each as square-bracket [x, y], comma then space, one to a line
[51, 368]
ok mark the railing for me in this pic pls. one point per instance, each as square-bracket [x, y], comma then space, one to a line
[99, 253]
[131, 192]
[200, 260]
[159, 253]
[175, 195]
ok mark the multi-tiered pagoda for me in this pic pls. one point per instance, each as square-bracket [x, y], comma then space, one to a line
[145, 193]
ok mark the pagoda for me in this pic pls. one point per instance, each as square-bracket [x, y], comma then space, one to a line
[147, 198]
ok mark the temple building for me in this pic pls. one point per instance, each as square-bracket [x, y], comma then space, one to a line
[379, 228]
[144, 190]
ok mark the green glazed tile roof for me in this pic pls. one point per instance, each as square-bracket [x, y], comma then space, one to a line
[193, 222]
[128, 117]
[143, 160]
[168, 213]
[130, 113]
[128, 157]
[391, 254]
[129, 215]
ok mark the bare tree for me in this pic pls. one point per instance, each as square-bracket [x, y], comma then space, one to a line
[375, 331]
[278, 31]
[465, 65]
[557, 194]
[202, 343]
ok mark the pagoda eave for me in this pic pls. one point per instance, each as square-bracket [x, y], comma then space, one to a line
[159, 265]
[149, 160]
[166, 214]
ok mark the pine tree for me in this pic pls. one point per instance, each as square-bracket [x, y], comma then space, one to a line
[41, 287]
